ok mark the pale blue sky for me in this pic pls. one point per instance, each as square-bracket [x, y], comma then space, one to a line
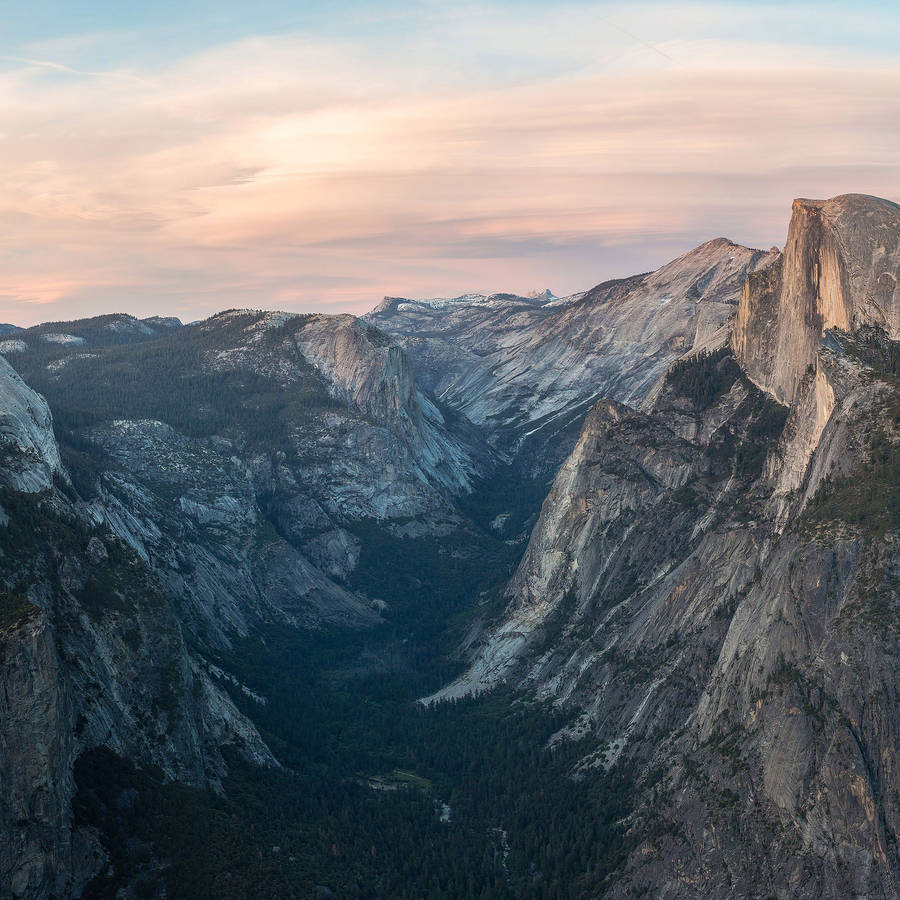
[191, 24]
[107, 33]
[181, 157]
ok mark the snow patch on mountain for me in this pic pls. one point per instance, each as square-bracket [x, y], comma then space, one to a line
[514, 365]
[53, 338]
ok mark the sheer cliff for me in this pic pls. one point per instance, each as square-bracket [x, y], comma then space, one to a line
[840, 269]
[712, 588]
[93, 651]
[198, 482]
[526, 369]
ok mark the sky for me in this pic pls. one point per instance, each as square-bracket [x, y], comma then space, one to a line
[179, 158]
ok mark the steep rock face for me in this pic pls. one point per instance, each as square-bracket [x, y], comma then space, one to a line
[712, 589]
[372, 445]
[72, 684]
[189, 510]
[160, 542]
[622, 465]
[373, 373]
[361, 366]
[93, 653]
[840, 269]
[526, 367]
[34, 764]
[28, 453]
[633, 498]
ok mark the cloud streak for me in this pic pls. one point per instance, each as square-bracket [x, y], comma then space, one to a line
[314, 172]
[68, 70]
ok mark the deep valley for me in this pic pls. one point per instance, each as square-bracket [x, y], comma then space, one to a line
[490, 596]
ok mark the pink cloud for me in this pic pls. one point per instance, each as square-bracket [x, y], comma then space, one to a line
[288, 172]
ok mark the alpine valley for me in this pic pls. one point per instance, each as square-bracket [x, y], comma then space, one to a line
[493, 596]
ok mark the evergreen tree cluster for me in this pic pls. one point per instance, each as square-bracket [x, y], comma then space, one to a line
[705, 377]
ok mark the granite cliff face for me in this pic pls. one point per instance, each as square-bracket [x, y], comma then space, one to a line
[712, 587]
[840, 269]
[526, 369]
[29, 456]
[373, 373]
[209, 481]
[93, 652]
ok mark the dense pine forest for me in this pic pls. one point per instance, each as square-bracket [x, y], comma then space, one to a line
[378, 795]
[375, 794]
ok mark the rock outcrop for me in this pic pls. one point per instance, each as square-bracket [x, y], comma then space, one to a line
[840, 269]
[29, 456]
[526, 369]
[712, 587]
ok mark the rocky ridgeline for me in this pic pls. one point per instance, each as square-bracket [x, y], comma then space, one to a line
[130, 559]
[713, 584]
[526, 369]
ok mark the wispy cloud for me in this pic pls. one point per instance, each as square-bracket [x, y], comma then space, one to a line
[69, 70]
[482, 152]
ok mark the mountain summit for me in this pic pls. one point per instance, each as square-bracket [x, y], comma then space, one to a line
[526, 373]
[711, 585]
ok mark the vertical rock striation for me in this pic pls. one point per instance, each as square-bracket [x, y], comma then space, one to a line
[840, 269]
[712, 587]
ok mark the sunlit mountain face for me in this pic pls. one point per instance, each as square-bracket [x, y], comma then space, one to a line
[449, 452]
